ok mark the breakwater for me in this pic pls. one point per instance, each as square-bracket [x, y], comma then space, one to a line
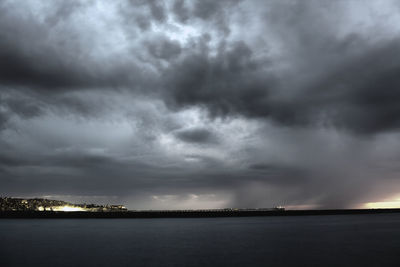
[187, 213]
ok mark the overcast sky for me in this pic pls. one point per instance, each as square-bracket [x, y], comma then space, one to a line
[201, 104]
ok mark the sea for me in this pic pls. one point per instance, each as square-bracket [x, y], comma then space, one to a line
[327, 240]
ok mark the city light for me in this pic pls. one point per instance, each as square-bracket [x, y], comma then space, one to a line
[68, 208]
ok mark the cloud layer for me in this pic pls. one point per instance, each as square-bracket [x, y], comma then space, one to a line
[177, 104]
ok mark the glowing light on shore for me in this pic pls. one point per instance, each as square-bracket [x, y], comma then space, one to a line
[68, 208]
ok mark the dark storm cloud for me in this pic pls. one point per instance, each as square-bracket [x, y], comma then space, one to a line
[157, 10]
[273, 102]
[149, 12]
[26, 61]
[63, 10]
[3, 120]
[343, 82]
[46, 68]
[212, 9]
[359, 79]
[163, 48]
[362, 94]
[216, 12]
[43, 61]
[359, 94]
[231, 82]
[20, 107]
[82, 173]
[23, 109]
[40, 55]
[7, 160]
[20, 69]
[197, 135]
[181, 11]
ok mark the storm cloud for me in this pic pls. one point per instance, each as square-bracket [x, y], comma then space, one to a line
[196, 136]
[189, 104]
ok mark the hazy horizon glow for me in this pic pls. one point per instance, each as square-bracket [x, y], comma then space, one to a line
[388, 203]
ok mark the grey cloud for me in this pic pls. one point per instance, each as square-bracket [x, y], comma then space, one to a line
[144, 13]
[39, 55]
[46, 68]
[231, 82]
[343, 82]
[366, 91]
[358, 94]
[63, 10]
[163, 48]
[37, 64]
[180, 10]
[143, 22]
[21, 107]
[7, 160]
[276, 102]
[3, 120]
[157, 10]
[197, 135]
[24, 109]
[207, 9]
[215, 13]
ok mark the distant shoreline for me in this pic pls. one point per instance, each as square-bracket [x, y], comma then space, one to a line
[183, 214]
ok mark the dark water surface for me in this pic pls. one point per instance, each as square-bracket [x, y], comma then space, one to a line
[336, 240]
